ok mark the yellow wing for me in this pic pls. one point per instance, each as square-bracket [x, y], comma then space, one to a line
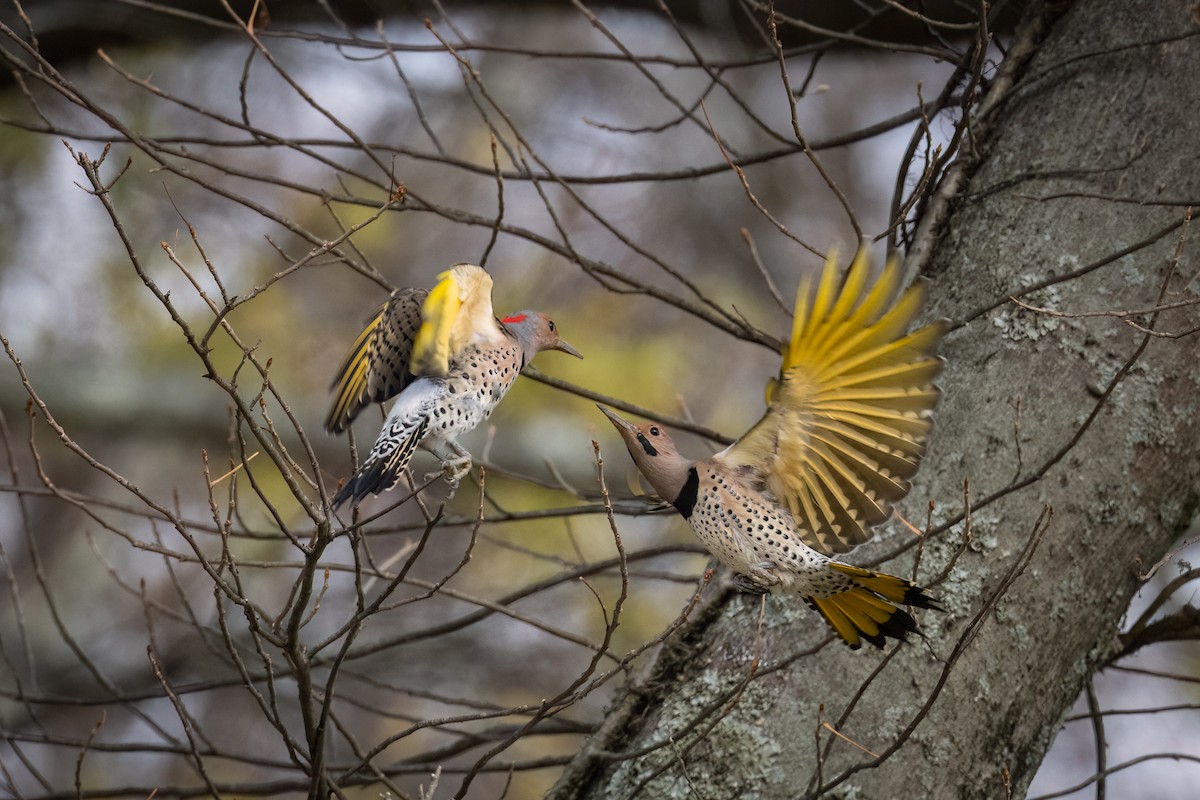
[457, 313]
[376, 367]
[847, 420]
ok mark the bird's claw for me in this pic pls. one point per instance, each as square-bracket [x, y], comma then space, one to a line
[453, 470]
[759, 579]
[744, 583]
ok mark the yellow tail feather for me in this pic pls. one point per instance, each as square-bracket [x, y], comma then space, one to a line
[837, 619]
[887, 586]
[870, 610]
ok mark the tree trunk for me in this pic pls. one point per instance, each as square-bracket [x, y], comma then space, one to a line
[1086, 160]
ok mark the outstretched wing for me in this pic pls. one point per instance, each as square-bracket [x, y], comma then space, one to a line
[457, 313]
[377, 367]
[848, 418]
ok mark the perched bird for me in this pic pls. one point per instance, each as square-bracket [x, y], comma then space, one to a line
[448, 361]
[844, 430]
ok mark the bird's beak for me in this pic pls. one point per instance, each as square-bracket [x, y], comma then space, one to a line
[620, 424]
[566, 348]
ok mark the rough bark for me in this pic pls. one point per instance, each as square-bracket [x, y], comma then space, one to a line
[1089, 154]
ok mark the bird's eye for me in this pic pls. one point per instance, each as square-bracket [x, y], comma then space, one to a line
[551, 324]
[654, 431]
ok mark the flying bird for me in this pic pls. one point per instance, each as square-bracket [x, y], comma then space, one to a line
[845, 428]
[447, 360]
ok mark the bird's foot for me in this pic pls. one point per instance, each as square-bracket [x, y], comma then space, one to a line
[759, 579]
[453, 470]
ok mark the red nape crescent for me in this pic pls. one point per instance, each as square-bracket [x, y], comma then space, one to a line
[513, 319]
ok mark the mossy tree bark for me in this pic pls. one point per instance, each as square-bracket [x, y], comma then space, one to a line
[1084, 166]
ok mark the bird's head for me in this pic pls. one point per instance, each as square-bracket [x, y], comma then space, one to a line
[655, 455]
[536, 332]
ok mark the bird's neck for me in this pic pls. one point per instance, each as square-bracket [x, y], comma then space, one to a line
[685, 500]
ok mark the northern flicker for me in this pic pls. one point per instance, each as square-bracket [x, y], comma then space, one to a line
[448, 361]
[844, 430]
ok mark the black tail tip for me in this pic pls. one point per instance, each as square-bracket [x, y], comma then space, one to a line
[373, 478]
[897, 626]
[916, 596]
[351, 490]
[344, 494]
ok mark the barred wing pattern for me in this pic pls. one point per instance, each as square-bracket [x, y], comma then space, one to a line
[377, 367]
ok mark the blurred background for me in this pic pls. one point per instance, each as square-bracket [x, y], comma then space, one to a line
[582, 154]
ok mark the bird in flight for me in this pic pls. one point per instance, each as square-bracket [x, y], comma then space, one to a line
[845, 428]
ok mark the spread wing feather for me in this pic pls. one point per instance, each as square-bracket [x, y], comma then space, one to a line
[848, 417]
[376, 367]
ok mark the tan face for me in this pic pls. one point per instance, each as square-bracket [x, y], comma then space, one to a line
[654, 453]
[644, 441]
[548, 332]
[538, 332]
